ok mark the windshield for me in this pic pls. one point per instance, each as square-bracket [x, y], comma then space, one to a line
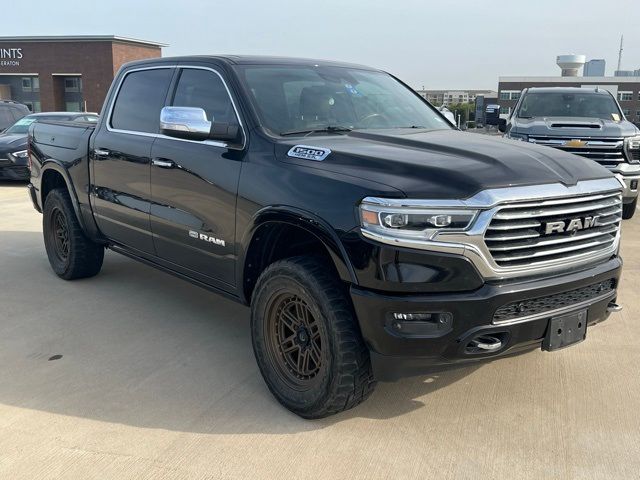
[556, 104]
[305, 99]
[22, 125]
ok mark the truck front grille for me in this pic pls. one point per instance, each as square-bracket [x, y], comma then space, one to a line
[527, 234]
[606, 151]
[551, 303]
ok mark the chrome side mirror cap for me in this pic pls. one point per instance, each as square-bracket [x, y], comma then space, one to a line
[185, 122]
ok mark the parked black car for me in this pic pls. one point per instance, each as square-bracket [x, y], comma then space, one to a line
[584, 121]
[13, 142]
[10, 112]
[369, 236]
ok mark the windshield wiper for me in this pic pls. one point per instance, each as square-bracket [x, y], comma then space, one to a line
[328, 129]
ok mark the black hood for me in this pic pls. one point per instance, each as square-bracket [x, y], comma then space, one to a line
[573, 127]
[12, 143]
[443, 163]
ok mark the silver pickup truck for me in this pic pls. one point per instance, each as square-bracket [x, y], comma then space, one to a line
[583, 121]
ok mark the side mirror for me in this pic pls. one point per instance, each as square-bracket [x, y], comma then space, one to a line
[185, 122]
[502, 124]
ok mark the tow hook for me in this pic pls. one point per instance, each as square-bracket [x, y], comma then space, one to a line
[484, 343]
[613, 307]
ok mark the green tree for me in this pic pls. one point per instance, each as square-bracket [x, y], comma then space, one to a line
[466, 111]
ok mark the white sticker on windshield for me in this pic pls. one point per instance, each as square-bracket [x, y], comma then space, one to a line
[25, 121]
[309, 153]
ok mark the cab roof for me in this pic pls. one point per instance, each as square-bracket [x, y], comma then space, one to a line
[567, 90]
[252, 60]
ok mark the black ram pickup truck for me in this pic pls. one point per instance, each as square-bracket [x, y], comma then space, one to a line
[371, 239]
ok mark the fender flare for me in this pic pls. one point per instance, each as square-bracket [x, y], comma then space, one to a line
[51, 164]
[305, 220]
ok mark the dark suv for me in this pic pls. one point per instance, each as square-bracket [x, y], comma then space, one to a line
[584, 121]
[11, 112]
[13, 141]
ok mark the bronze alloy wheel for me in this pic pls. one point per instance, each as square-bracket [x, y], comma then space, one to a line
[294, 341]
[59, 234]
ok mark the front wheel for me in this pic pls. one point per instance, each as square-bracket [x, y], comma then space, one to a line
[306, 339]
[71, 254]
[629, 209]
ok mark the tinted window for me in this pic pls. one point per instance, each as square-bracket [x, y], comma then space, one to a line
[18, 114]
[557, 104]
[140, 99]
[6, 118]
[204, 89]
[295, 99]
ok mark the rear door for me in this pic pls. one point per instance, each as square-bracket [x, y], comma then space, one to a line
[121, 155]
[194, 185]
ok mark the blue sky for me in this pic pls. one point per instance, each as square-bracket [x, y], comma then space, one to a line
[445, 44]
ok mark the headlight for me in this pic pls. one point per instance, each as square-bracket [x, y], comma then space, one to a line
[517, 136]
[413, 221]
[632, 149]
[21, 154]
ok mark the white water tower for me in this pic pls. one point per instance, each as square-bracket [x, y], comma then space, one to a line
[570, 64]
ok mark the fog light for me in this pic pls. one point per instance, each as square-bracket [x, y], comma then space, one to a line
[414, 317]
[421, 324]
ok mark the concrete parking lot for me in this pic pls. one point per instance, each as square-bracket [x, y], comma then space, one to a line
[136, 374]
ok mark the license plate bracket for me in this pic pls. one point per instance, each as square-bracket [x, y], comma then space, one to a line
[565, 330]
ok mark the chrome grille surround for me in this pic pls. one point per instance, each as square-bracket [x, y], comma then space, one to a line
[607, 151]
[471, 242]
[516, 234]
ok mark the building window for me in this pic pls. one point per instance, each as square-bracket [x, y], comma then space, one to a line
[26, 84]
[37, 107]
[625, 96]
[35, 83]
[505, 110]
[72, 84]
[72, 106]
[29, 105]
[626, 112]
[509, 94]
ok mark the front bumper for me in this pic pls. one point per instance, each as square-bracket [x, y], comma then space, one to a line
[397, 354]
[14, 172]
[629, 176]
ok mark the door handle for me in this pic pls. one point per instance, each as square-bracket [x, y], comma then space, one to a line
[101, 152]
[163, 163]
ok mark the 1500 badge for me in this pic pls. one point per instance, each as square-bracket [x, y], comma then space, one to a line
[309, 153]
[206, 238]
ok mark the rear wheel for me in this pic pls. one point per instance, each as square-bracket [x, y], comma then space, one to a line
[71, 254]
[628, 209]
[306, 339]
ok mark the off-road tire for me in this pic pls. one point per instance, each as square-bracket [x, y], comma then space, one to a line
[343, 378]
[629, 209]
[71, 254]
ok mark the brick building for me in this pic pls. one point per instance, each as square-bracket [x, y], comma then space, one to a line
[625, 89]
[65, 73]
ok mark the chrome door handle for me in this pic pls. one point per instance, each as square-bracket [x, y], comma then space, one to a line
[101, 152]
[163, 163]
